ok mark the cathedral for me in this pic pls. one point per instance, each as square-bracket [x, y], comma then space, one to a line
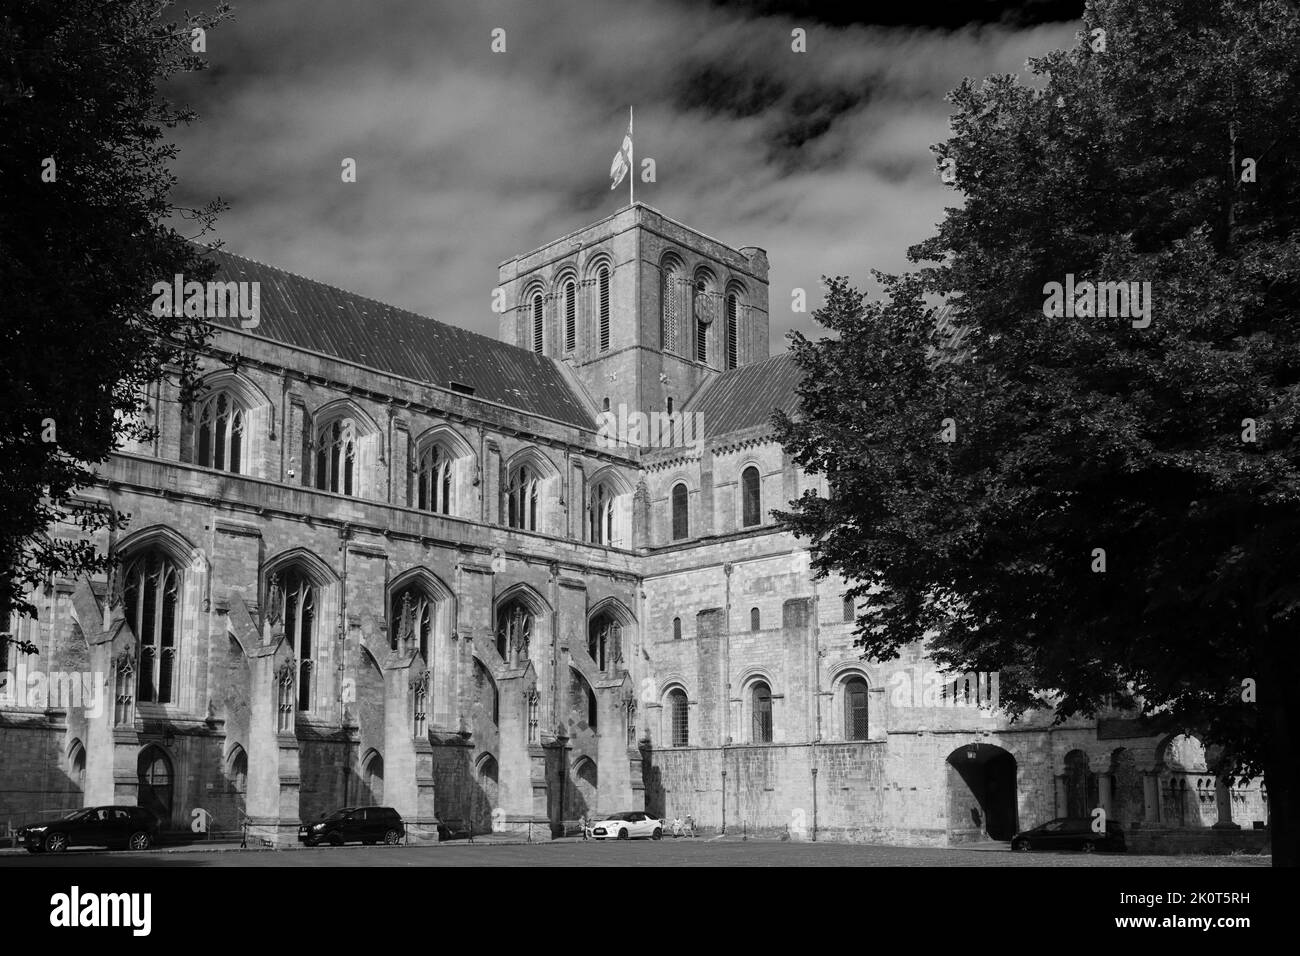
[503, 584]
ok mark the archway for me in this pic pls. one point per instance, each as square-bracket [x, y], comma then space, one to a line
[154, 774]
[981, 794]
[584, 787]
[373, 774]
[1082, 793]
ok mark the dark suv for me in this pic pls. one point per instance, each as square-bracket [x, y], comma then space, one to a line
[133, 828]
[352, 824]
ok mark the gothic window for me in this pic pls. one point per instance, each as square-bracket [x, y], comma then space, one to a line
[754, 619]
[605, 642]
[570, 294]
[514, 633]
[524, 494]
[761, 705]
[294, 596]
[219, 433]
[677, 629]
[413, 614]
[849, 611]
[855, 709]
[733, 330]
[539, 327]
[678, 710]
[670, 298]
[151, 595]
[239, 769]
[436, 471]
[336, 456]
[703, 317]
[600, 514]
[602, 288]
[750, 510]
[681, 526]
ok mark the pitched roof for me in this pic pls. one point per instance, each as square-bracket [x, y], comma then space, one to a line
[745, 397]
[311, 315]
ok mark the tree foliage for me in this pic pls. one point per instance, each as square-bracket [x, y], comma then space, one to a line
[84, 185]
[1123, 159]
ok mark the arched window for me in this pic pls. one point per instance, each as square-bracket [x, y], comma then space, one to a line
[514, 633]
[524, 494]
[413, 614]
[677, 629]
[372, 774]
[219, 432]
[855, 709]
[602, 297]
[437, 468]
[151, 595]
[754, 619]
[336, 456]
[600, 514]
[539, 327]
[154, 776]
[239, 769]
[681, 523]
[76, 764]
[749, 484]
[704, 304]
[670, 298]
[760, 697]
[733, 330]
[850, 613]
[293, 597]
[678, 710]
[569, 292]
[605, 641]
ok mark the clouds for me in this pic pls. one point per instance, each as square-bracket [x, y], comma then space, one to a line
[466, 157]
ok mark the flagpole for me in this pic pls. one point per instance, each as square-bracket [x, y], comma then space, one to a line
[631, 173]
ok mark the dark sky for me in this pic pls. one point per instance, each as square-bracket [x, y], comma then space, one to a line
[466, 157]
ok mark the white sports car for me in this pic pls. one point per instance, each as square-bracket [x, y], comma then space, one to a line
[627, 826]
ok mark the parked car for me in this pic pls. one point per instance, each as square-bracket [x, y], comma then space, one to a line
[366, 825]
[132, 828]
[627, 826]
[1070, 833]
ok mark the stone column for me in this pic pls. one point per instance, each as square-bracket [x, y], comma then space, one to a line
[613, 755]
[408, 756]
[1104, 793]
[1062, 796]
[1150, 798]
[1223, 804]
[517, 753]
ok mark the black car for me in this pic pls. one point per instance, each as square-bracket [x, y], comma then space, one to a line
[133, 828]
[1070, 833]
[355, 824]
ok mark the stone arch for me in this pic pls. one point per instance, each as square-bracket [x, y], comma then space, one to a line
[981, 794]
[607, 511]
[1082, 793]
[155, 777]
[1180, 759]
[584, 776]
[372, 776]
[167, 540]
[486, 792]
[442, 452]
[848, 680]
[255, 409]
[311, 564]
[758, 719]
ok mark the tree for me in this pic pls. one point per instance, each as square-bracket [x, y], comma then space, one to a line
[84, 182]
[1099, 507]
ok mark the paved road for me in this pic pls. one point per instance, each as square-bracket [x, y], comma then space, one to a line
[637, 853]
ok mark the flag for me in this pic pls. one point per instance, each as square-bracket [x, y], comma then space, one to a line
[622, 159]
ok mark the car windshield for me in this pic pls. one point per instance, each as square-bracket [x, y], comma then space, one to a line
[339, 815]
[82, 814]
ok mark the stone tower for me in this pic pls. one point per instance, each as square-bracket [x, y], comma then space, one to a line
[642, 308]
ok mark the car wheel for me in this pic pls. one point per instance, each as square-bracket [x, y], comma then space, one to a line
[56, 842]
[393, 837]
[1021, 846]
[1088, 846]
[622, 834]
[139, 841]
[658, 834]
[336, 839]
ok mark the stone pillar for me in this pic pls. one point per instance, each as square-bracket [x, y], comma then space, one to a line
[408, 756]
[641, 532]
[1104, 793]
[1223, 804]
[1062, 796]
[613, 755]
[112, 744]
[518, 753]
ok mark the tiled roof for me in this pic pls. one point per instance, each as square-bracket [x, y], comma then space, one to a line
[308, 314]
[746, 396]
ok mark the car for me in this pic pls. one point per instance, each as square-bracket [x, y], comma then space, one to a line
[1070, 833]
[630, 825]
[366, 825]
[132, 828]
